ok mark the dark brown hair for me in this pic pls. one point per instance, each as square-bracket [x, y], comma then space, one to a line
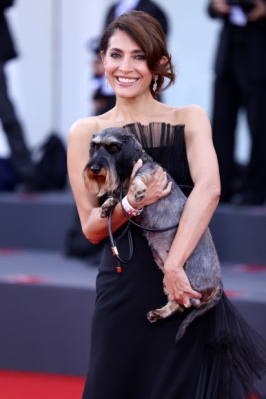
[148, 34]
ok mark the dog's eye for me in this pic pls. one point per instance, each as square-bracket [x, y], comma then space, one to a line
[113, 148]
[94, 146]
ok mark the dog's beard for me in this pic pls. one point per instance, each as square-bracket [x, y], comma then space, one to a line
[107, 181]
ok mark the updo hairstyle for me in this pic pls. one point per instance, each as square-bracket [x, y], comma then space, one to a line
[148, 34]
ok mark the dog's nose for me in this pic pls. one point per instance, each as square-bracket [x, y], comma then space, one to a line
[95, 168]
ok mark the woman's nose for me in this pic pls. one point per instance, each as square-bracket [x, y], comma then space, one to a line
[126, 64]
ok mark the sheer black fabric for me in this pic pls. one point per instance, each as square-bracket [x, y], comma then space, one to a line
[220, 355]
[234, 357]
[165, 143]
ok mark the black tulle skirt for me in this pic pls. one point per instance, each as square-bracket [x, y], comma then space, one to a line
[219, 357]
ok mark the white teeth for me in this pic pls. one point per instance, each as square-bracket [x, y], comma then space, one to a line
[126, 80]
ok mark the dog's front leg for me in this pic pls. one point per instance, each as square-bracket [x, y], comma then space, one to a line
[107, 206]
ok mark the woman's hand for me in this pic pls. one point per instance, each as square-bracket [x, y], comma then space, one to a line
[157, 187]
[178, 286]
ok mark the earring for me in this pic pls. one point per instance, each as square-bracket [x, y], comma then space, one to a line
[106, 81]
[154, 87]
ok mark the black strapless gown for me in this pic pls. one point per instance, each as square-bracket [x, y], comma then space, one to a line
[219, 356]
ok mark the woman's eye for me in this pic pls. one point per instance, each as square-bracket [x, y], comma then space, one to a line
[140, 57]
[114, 55]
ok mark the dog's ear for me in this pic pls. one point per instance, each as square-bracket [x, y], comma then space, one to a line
[90, 184]
[130, 152]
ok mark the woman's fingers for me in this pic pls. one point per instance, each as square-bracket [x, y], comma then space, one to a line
[179, 288]
[167, 189]
[161, 183]
[137, 165]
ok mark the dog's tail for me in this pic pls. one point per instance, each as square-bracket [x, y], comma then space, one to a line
[198, 312]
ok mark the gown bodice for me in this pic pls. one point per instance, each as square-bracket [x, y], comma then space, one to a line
[165, 143]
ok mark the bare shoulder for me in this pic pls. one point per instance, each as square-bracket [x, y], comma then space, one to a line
[84, 127]
[195, 119]
[79, 138]
[192, 110]
[192, 114]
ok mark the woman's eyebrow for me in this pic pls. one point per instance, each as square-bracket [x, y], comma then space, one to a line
[120, 51]
[115, 49]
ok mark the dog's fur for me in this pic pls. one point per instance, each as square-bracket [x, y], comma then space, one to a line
[113, 153]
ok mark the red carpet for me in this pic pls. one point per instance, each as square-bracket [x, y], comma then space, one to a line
[22, 385]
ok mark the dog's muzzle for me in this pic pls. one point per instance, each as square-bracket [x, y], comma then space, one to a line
[95, 168]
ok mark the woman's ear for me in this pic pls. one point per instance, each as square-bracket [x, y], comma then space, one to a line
[103, 58]
[163, 60]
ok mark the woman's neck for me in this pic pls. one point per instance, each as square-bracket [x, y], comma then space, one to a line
[135, 109]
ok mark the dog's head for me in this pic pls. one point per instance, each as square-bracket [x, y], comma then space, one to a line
[113, 153]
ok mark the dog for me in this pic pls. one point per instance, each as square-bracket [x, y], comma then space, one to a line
[113, 153]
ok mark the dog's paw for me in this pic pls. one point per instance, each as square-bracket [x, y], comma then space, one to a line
[139, 188]
[139, 195]
[153, 316]
[107, 206]
[104, 212]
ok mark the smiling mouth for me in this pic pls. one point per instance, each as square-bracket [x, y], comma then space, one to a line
[127, 80]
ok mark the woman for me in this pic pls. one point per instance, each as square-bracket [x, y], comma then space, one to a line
[130, 357]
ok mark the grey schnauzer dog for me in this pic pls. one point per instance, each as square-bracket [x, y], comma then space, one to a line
[113, 153]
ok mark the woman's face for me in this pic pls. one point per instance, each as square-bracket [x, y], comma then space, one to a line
[126, 67]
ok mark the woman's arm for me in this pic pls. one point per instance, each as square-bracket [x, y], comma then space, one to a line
[200, 205]
[94, 227]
